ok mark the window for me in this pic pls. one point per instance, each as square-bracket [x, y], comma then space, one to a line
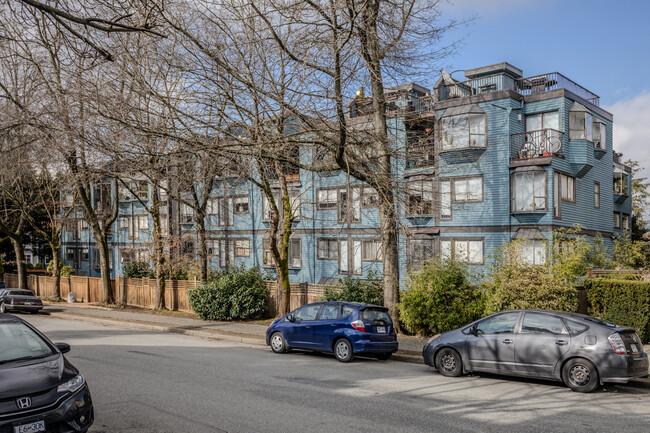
[84, 255]
[222, 249]
[226, 214]
[328, 249]
[267, 254]
[327, 198]
[143, 222]
[419, 197]
[575, 327]
[83, 224]
[242, 247]
[528, 191]
[580, 125]
[370, 197]
[419, 251]
[143, 190]
[329, 312]
[350, 205]
[126, 256]
[621, 183]
[468, 190]
[625, 221]
[536, 323]
[600, 135]
[597, 195]
[617, 220]
[69, 254]
[295, 253]
[466, 130]
[445, 199]
[501, 324]
[187, 248]
[371, 251]
[308, 312]
[187, 214]
[294, 199]
[469, 251]
[564, 187]
[350, 262]
[241, 205]
[541, 121]
[533, 252]
[212, 206]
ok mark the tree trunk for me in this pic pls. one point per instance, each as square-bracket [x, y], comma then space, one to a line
[159, 253]
[390, 254]
[55, 270]
[285, 286]
[19, 250]
[104, 265]
[203, 250]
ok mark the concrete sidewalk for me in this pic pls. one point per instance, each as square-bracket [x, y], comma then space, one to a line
[410, 348]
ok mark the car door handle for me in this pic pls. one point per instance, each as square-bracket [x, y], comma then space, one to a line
[307, 326]
[507, 341]
[561, 342]
[334, 324]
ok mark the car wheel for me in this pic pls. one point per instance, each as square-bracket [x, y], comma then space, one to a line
[385, 356]
[448, 363]
[3, 309]
[343, 350]
[278, 345]
[580, 375]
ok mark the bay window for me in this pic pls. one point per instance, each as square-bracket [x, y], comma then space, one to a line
[580, 125]
[419, 197]
[463, 131]
[528, 191]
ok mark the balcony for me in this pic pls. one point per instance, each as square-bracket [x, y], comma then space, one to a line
[553, 81]
[536, 144]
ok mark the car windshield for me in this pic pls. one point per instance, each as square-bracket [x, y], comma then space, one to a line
[21, 293]
[371, 314]
[18, 341]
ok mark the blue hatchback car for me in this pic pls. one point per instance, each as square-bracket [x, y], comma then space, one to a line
[343, 328]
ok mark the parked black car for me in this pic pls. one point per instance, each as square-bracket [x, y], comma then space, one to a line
[579, 350]
[19, 300]
[40, 390]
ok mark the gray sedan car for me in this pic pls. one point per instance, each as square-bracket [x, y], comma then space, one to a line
[582, 351]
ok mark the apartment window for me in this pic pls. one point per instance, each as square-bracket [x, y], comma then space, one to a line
[541, 121]
[124, 223]
[295, 253]
[187, 248]
[617, 220]
[621, 183]
[597, 195]
[126, 256]
[187, 214]
[350, 205]
[327, 198]
[565, 186]
[419, 197]
[328, 249]
[212, 206]
[84, 255]
[419, 251]
[350, 262]
[468, 189]
[143, 222]
[600, 135]
[83, 224]
[466, 250]
[164, 225]
[371, 251]
[528, 191]
[69, 254]
[226, 212]
[625, 221]
[533, 252]
[580, 125]
[96, 258]
[241, 204]
[294, 199]
[242, 247]
[143, 190]
[445, 199]
[466, 130]
[370, 197]
[267, 255]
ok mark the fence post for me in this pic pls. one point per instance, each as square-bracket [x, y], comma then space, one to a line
[87, 289]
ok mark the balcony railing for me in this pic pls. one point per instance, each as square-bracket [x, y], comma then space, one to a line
[553, 81]
[535, 144]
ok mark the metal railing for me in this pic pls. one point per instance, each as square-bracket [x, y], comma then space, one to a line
[553, 81]
[535, 144]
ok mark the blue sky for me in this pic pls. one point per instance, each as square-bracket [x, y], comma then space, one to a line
[602, 45]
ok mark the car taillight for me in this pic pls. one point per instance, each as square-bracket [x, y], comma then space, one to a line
[617, 344]
[359, 325]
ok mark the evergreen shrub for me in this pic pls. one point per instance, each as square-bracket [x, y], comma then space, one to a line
[368, 290]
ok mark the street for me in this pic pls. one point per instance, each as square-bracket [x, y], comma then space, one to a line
[156, 382]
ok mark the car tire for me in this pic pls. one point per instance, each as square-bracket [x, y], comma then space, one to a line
[580, 375]
[384, 356]
[449, 363]
[278, 343]
[343, 350]
[3, 309]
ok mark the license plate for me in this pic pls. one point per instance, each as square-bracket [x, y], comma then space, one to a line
[30, 428]
[634, 347]
[381, 329]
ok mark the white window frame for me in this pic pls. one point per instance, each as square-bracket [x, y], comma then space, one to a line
[453, 134]
[534, 205]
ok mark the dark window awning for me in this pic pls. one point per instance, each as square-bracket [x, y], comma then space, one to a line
[463, 109]
[528, 168]
[529, 233]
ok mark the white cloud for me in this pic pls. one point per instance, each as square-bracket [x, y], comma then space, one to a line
[632, 129]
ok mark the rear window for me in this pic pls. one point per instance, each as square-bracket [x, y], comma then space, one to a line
[18, 341]
[371, 314]
[575, 327]
[21, 293]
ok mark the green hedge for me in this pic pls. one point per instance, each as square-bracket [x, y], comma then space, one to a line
[234, 294]
[368, 290]
[624, 302]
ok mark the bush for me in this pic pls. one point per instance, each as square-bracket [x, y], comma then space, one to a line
[368, 290]
[440, 298]
[235, 294]
[39, 265]
[65, 271]
[138, 269]
[624, 302]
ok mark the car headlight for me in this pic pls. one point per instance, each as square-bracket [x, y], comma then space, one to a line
[72, 385]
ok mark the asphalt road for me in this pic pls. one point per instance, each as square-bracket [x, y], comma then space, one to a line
[154, 382]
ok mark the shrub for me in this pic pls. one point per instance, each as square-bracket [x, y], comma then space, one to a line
[624, 302]
[235, 294]
[65, 271]
[39, 265]
[440, 298]
[368, 290]
[137, 269]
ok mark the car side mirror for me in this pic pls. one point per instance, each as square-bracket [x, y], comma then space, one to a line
[63, 347]
[291, 318]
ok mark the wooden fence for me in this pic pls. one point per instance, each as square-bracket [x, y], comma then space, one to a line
[141, 292]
